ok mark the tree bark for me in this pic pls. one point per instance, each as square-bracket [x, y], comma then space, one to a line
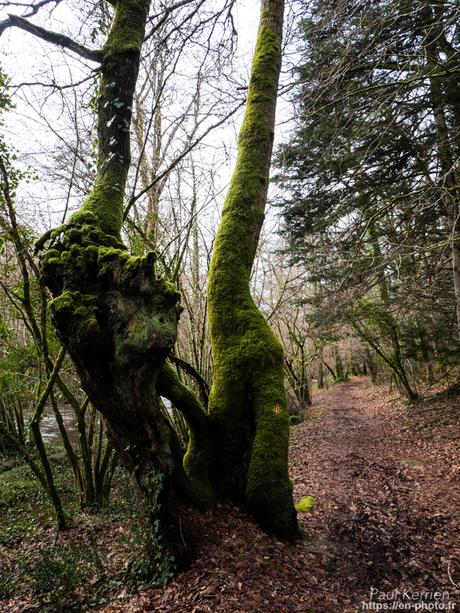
[248, 405]
[114, 313]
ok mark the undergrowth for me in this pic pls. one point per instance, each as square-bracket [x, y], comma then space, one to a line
[78, 568]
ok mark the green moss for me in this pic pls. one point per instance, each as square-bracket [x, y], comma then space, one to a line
[268, 485]
[103, 208]
[106, 256]
[83, 218]
[306, 504]
[267, 561]
[413, 462]
[127, 32]
[243, 212]
[104, 205]
[53, 253]
[77, 271]
[250, 364]
[82, 305]
[76, 311]
[131, 344]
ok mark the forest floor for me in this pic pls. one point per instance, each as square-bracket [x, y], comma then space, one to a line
[384, 533]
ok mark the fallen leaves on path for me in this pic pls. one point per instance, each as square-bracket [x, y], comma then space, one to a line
[386, 517]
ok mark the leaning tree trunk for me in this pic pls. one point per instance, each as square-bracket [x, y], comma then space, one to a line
[248, 406]
[113, 312]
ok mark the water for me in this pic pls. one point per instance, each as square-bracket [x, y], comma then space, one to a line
[48, 425]
[50, 430]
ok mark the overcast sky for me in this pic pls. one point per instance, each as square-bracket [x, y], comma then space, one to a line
[28, 59]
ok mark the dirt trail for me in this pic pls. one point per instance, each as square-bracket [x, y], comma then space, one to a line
[386, 517]
[387, 508]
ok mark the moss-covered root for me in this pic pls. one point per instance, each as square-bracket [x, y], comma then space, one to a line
[268, 487]
[198, 456]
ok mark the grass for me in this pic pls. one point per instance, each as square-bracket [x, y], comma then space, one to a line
[24, 506]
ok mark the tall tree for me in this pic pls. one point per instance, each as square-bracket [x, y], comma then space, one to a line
[117, 315]
[371, 164]
[248, 404]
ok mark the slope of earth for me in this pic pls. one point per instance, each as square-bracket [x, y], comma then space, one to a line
[385, 478]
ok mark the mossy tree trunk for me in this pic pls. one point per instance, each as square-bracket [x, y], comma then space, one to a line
[248, 406]
[117, 318]
[115, 315]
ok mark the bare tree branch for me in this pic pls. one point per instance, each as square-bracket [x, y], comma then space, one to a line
[56, 38]
[180, 157]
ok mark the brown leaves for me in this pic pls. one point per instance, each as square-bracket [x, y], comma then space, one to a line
[379, 520]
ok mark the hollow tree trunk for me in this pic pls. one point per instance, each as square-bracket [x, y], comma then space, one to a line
[248, 406]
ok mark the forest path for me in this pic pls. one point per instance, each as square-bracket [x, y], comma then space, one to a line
[387, 506]
[387, 489]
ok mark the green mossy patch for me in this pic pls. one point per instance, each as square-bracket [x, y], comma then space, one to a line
[413, 462]
[104, 204]
[306, 504]
[127, 32]
[72, 308]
